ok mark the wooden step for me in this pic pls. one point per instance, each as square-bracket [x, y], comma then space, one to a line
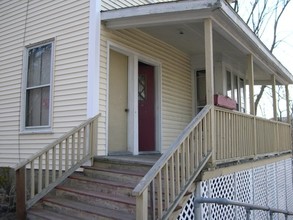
[103, 191]
[99, 185]
[124, 163]
[125, 203]
[84, 211]
[115, 175]
[37, 213]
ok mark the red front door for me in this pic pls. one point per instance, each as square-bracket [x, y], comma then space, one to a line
[146, 107]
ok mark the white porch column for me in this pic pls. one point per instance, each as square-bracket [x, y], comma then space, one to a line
[209, 61]
[250, 73]
[287, 104]
[209, 66]
[274, 97]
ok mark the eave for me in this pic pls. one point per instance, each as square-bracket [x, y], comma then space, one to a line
[226, 22]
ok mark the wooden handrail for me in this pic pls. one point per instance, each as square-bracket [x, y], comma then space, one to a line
[177, 168]
[138, 190]
[60, 139]
[79, 143]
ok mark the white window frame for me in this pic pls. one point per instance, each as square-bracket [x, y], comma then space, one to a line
[36, 129]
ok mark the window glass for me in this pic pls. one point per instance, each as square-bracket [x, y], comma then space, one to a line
[229, 84]
[38, 86]
[235, 88]
[242, 95]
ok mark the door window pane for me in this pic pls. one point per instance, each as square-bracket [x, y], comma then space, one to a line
[141, 87]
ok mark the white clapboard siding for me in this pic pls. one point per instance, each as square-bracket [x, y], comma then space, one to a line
[176, 77]
[22, 24]
[117, 4]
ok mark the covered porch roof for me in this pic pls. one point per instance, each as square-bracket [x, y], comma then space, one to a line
[181, 24]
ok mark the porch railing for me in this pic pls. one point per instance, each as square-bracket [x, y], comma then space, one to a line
[241, 136]
[49, 167]
[163, 187]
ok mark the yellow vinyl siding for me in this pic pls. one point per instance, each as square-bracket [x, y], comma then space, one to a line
[176, 77]
[22, 25]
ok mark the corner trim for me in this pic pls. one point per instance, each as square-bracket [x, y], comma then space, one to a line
[93, 59]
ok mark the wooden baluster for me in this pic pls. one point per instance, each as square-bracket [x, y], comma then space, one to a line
[72, 149]
[192, 150]
[172, 178]
[66, 154]
[60, 160]
[47, 169]
[54, 164]
[177, 171]
[160, 195]
[78, 145]
[40, 174]
[32, 178]
[200, 141]
[182, 164]
[166, 186]
[196, 139]
[205, 148]
[85, 138]
[187, 156]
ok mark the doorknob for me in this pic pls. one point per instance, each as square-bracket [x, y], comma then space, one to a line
[126, 110]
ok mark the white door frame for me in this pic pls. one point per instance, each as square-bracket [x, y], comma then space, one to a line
[132, 128]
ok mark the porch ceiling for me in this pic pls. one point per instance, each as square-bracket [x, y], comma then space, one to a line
[180, 24]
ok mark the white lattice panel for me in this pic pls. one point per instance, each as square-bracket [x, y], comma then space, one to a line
[269, 185]
[281, 186]
[289, 186]
[204, 208]
[188, 212]
[222, 187]
[243, 181]
[260, 191]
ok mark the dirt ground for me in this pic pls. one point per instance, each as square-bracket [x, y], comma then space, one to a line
[6, 214]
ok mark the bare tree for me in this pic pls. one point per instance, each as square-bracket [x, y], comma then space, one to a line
[259, 15]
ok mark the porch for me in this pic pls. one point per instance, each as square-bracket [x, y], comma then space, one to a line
[215, 137]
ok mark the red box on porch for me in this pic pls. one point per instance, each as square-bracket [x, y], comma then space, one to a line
[225, 102]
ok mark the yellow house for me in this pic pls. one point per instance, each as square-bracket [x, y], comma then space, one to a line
[85, 80]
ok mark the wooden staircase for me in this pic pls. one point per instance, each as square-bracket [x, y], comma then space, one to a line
[103, 191]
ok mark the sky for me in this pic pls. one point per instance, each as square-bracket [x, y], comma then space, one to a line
[284, 51]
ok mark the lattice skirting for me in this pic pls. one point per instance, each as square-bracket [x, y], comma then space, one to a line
[269, 185]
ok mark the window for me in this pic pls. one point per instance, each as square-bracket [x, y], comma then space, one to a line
[38, 86]
[236, 89]
[200, 89]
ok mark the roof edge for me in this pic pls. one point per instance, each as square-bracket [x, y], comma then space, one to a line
[159, 8]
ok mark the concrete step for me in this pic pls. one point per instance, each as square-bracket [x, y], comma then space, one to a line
[125, 203]
[84, 211]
